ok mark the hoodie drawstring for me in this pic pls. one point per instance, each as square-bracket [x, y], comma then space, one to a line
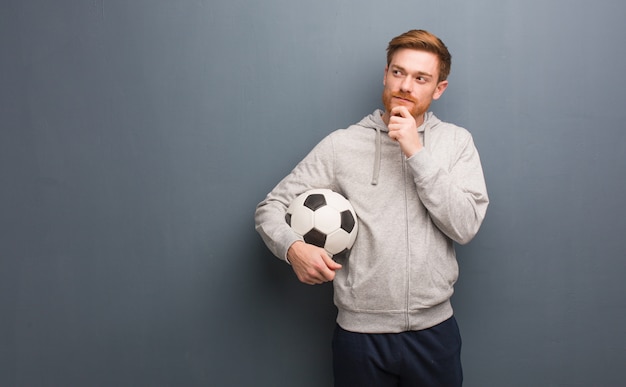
[377, 158]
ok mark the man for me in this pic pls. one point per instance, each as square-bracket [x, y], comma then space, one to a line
[417, 186]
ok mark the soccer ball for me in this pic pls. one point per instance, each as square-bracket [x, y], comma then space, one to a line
[324, 218]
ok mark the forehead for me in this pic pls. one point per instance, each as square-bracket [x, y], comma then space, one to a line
[416, 61]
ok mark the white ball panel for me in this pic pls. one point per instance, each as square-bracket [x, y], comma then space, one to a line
[302, 220]
[337, 201]
[296, 203]
[327, 219]
[337, 241]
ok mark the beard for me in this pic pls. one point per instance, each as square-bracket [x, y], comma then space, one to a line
[409, 102]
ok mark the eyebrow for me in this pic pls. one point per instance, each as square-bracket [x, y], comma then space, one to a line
[397, 67]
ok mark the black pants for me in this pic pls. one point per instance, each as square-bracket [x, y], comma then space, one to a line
[431, 357]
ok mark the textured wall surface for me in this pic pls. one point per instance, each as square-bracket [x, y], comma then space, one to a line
[137, 137]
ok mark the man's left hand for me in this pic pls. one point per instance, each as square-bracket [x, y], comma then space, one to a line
[403, 129]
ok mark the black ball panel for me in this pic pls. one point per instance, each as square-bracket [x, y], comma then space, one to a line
[342, 255]
[315, 237]
[315, 201]
[347, 221]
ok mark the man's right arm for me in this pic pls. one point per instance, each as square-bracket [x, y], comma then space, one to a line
[310, 263]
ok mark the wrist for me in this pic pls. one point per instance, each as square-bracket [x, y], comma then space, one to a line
[291, 251]
[413, 150]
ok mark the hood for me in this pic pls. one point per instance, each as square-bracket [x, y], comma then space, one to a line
[375, 121]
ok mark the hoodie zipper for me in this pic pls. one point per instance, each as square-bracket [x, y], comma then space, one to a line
[408, 245]
[407, 235]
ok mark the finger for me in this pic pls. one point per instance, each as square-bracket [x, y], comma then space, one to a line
[319, 278]
[331, 263]
[400, 111]
[328, 272]
[310, 278]
[316, 274]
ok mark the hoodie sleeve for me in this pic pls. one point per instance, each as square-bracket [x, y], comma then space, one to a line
[455, 195]
[314, 171]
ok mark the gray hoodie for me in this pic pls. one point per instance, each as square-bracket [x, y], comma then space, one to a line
[401, 271]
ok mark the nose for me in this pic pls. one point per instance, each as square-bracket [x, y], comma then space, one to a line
[406, 85]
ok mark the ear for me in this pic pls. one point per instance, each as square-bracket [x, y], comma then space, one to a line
[441, 87]
[385, 76]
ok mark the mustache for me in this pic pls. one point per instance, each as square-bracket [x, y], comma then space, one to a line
[404, 96]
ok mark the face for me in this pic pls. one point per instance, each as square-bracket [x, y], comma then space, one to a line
[411, 80]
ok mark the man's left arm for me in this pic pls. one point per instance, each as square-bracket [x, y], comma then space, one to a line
[455, 196]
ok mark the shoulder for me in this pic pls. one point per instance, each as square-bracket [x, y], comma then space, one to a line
[448, 131]
[351, 134]
[449, 141]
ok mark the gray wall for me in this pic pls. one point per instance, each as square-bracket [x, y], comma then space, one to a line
[137, 137]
